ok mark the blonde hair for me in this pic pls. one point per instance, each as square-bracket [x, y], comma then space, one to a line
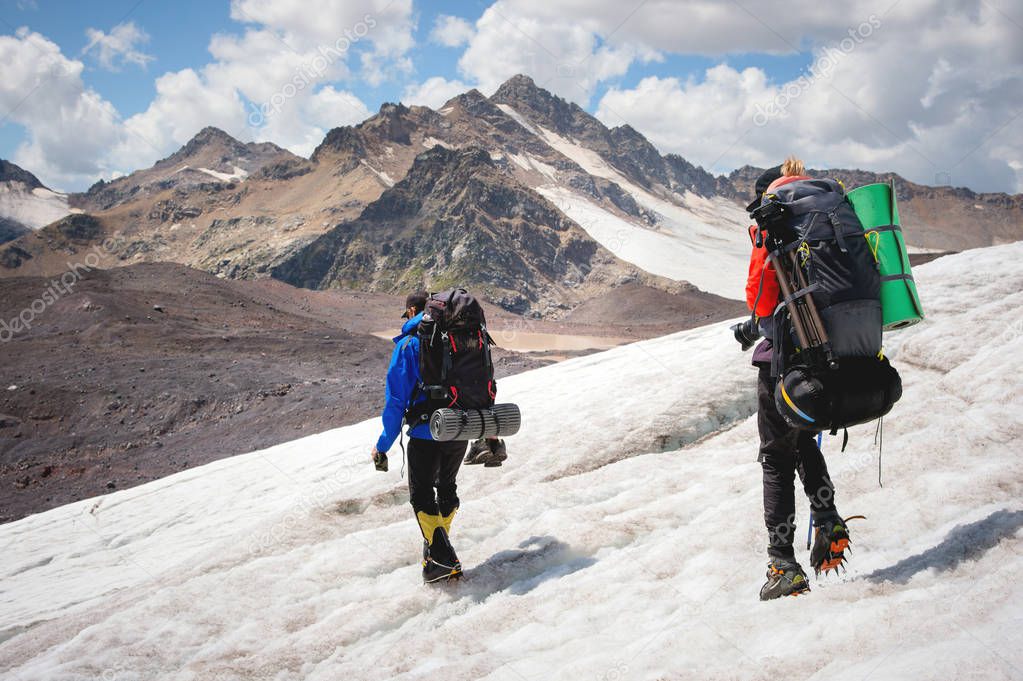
[792, 166]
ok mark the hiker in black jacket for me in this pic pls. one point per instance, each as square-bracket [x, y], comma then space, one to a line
[785, 450]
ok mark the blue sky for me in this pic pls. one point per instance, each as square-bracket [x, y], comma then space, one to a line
[690, 74]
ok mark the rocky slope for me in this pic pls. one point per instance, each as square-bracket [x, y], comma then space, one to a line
[458, 219]
[209, 159]
[144, 370]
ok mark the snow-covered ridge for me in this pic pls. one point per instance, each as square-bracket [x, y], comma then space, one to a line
[622, 539]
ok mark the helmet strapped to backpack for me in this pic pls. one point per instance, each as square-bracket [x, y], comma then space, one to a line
[455, 366]
[827, 354]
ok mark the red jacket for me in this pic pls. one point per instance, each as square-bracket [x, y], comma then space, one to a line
[761, 271]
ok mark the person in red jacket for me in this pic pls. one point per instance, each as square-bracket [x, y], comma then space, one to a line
[785, 450]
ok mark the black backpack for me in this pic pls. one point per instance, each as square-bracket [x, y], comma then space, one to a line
[455, 366]
[818, 240]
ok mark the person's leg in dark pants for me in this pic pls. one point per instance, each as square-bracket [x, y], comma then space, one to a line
[450, 461]
[433, 467]
[778, 441]
[423, 466]
[784, 450]
[813, 471]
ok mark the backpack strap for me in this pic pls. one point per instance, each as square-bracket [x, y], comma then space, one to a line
[446, 360]
[836, 226]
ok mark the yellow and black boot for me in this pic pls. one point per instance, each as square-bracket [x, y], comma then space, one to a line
[445, 521]
[439, 560]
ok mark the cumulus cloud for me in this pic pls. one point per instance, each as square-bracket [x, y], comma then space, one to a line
[942, 112]
[563, 52]
[69, 127]
[118, 47]
[386, 26]
[276, 80]
[451, 31]
[433, 92]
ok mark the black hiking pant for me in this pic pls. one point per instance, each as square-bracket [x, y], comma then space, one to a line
[432, 468]
[785, 451]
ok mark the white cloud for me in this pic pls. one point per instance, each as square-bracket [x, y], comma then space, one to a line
[451, 31]
[937, 113]
[562, 52]
[69, 126]
[274, 81]
[433, 92]
[386, 26]
[118, 47]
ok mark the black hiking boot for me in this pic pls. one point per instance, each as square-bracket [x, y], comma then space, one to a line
[440, 563]
[498, 453]
[784, 578]
[830, 542]
[476, 449]
[490, 452]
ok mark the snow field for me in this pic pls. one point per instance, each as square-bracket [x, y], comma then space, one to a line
[703, 241]
[33, 208]
[622, 539]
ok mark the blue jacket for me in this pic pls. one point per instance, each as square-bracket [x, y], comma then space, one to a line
[402, 378]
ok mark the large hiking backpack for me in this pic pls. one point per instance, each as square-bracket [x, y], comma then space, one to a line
[818, 241]
[455, 366]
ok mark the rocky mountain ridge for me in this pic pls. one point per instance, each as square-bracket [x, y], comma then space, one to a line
[253, 210]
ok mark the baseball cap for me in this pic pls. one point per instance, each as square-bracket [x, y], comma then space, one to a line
[763, 182]
[416, 300]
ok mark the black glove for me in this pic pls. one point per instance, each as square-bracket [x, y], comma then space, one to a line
[379, 460]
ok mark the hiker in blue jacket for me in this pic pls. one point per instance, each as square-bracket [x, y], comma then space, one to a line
[432, 466]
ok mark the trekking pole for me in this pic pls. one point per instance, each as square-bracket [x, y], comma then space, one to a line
[785, 287]
[815, 318]
[809, 527]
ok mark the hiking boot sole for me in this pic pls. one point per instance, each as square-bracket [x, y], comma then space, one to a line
[452, 576]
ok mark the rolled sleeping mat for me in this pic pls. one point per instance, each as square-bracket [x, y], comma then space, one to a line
[876, 208]
[501, 420]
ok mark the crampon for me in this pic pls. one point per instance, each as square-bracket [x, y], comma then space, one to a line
[830, 543]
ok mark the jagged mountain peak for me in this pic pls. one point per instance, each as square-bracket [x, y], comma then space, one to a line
[10, 172]
[467, 100]
[521, 86]
[209, 138]
[548, 109]
[344, 141]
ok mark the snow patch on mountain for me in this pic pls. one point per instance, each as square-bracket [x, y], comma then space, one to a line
[33, 208]
[430, 142]
[236, 175]
[622, 539]
[518, 118]
[700, 240]
[711, 262]
[530, 163]
[381, 175]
